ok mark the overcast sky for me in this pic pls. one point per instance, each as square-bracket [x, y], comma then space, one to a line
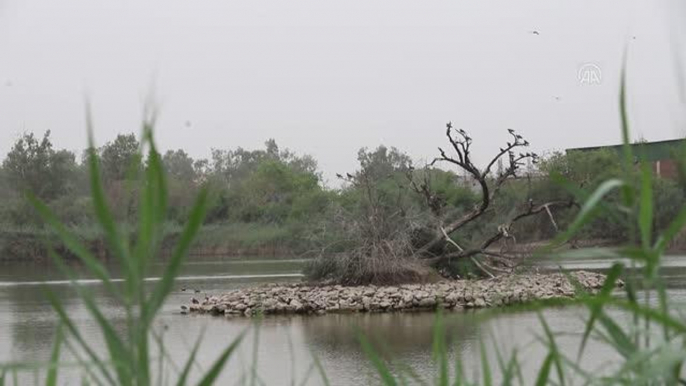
[328, 77]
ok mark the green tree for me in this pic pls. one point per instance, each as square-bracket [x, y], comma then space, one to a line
[120, 157]
[33, 165]
[179, 166]
[383, 162]
[586, 169]
[277, 192]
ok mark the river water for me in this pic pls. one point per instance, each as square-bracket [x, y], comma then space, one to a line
[286, 345]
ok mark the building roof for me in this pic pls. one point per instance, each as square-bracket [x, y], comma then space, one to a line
[651, 151]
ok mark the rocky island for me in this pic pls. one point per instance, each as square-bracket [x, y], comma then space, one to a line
[449, 294]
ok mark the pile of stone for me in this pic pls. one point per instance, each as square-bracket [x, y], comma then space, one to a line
[312, 299]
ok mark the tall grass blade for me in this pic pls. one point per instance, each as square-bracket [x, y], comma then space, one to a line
[71, 242]
[596, 306]
[654, 315]
[553, 349]
[628, 158]
[183, 376]
[321, 371]
[51, 379]
[672, 230]
[216, 369]
[64, 318]
[153, 204]
[619, 339]
[459, 371]
[308, 374]
[588, 208]
[173, 267]
[116, 347]
[440, 354]
[102, 212]
[384, 372]
[645, 218]
[544, 372]
[485, 366]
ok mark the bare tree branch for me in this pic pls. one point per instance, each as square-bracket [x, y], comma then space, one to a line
[461, 143]
[503, 231]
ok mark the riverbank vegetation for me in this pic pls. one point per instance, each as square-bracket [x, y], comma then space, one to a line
[390, 220]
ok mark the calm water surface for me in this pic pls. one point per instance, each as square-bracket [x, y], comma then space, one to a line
[285, 345]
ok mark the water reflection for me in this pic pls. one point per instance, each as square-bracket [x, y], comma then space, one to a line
[286, 345]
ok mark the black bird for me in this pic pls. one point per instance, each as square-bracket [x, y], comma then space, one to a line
[339, 175]
[535, 32]
[349, 175]
[184, 308]
[195, 301]
[184, 289]
[197, 291]
[510, 131]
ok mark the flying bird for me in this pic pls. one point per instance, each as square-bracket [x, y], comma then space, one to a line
[534, 32]
[510, 131]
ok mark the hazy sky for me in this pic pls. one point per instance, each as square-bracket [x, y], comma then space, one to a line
[328, 77]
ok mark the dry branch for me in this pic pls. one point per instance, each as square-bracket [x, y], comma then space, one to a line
[461, 144]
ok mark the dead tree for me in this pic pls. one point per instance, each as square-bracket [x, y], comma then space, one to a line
[489, 185]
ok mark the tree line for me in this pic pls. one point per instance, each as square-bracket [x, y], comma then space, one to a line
[449, 210]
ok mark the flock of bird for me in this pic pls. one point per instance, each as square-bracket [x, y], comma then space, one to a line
[184, 309]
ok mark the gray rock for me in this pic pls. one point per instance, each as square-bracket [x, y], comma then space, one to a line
[427, 302]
